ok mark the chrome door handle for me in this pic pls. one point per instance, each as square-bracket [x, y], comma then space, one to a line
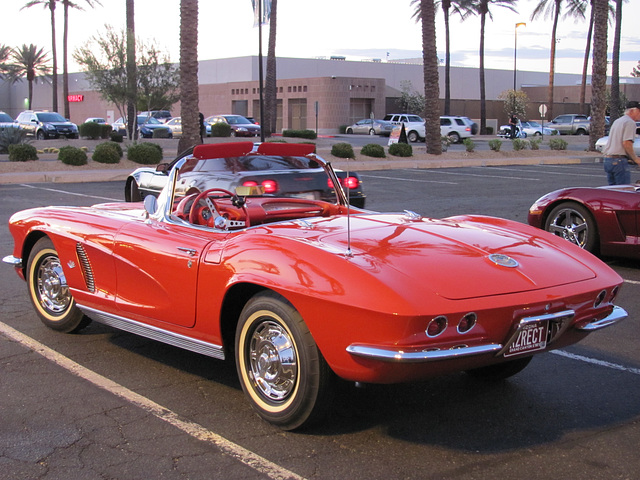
[190, 251]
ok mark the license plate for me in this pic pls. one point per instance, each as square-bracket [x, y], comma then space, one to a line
[530, 337]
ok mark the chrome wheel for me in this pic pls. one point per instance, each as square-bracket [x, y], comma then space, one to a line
[51, 286]
[574, 223]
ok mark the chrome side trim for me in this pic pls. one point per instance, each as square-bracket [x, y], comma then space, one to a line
[154, 333]
[13, 261]
[616, 316]
[388, 355]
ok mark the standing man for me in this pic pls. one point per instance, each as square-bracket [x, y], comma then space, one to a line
[618, 152]
[513, 123]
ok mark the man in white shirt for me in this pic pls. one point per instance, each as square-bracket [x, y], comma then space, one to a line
[618, 152]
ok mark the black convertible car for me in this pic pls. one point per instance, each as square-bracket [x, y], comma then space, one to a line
[282, 176]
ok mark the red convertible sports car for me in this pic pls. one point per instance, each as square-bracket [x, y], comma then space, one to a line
[303, 292]
[602, 220]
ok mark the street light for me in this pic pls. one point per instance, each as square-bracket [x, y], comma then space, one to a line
[515, 51]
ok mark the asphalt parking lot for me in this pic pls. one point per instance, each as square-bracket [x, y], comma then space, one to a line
[106, 404]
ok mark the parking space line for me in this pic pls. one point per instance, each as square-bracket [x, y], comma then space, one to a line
[71, 193]
[595, 361]
[463, 174]
[600, 175]
[193, 429]
[407, 179]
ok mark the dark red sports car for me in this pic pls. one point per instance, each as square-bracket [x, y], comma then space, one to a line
[602, 220]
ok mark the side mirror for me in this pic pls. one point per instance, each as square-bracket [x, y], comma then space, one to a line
[162, 167]
[150, 205]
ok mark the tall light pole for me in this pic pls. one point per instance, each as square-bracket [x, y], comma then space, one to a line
[515, 52]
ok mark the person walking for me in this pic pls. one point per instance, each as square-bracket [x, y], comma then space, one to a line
[618, 151]
[513, 123]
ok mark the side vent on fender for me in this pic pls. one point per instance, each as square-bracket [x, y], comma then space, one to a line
[85, 265]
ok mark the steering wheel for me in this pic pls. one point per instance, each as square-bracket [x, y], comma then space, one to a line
[213, 209]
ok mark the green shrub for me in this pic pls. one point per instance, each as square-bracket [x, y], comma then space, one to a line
[342, 150]
[11, 136]
[400, 150]
[72, 155]
[107, 152]
[310, 134]
[519, 144]
[469, 145]
[105, 131]
[489, 130]
[145, 153]
[116, 137]
[535, 143]
[373, 150]
[557, 144]
[221, 130]
[161, 133]
[495, 144]
[22, 152]
[90, 130]
[342, 129]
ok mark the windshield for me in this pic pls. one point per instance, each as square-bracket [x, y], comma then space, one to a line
[51, 117]
[143, 119]
[236, 120]
[5, 118]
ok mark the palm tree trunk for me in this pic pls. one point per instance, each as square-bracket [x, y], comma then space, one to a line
[431, 81]
[65, 66]
[614, 105]
[54, 56]
[271, 99]
[189, 95]
[552, 62]
[483, 100]
[585, 66]
[447, 63]
[132, 130]
[599, 71]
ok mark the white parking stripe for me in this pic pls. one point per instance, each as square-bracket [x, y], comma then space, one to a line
[538, 171]
[193, 429]
[71, 193]
[443, 171]
[406, 179]
[632, 282]
[595, 361]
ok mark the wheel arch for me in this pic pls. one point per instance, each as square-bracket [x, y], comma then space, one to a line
[27, 246]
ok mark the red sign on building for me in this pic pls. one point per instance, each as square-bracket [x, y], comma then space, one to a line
[75, 98]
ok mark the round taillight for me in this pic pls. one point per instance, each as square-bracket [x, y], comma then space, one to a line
[351, 182]
[467, 322]
[270, 186]
[600, 298]
[250, 183]
[614, 293]
[436, 326]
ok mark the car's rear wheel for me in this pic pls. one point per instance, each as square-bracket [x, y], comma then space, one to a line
[500, 371]
[281, 370]
[454, 137]
[49, 292]
[574, 223]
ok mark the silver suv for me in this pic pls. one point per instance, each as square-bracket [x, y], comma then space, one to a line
[457, 128]
[43, 125]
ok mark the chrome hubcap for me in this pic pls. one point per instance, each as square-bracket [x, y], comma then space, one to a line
[571, 226]
[52, 287]
[273, 361]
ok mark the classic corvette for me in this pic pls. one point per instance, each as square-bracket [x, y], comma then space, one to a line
[602, 220]
[303, 292]
[280, 175]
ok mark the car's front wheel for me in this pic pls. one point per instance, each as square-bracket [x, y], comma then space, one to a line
[40, 135]
[573, 222]
[349, 131]
[49, 292]
[372, 131]
[281, 370]
[413, 136]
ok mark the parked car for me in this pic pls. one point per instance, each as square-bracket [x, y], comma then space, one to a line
[175, 125]
[285, 176]
[302, 292]
[96, 120]
[535, 129]
[6, 121]
[601, 220]
[146, 126]
[457, 128]
[602, 141]
[240, 126]
[163, 116]
[571, 124]
[43, 125]
[413, 125]
[370, 126]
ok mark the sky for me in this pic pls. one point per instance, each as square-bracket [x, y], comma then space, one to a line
[356, 29]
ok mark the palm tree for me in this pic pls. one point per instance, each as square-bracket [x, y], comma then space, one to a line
[614, 102]
[31, 62]
[5, 53]
[67, 4]
[553, 8]
[132, 83]
[460, 7]
[481, 7]
[431, 81]
[599, 71]
[189, 98]
[271, 97]
[51, 5]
